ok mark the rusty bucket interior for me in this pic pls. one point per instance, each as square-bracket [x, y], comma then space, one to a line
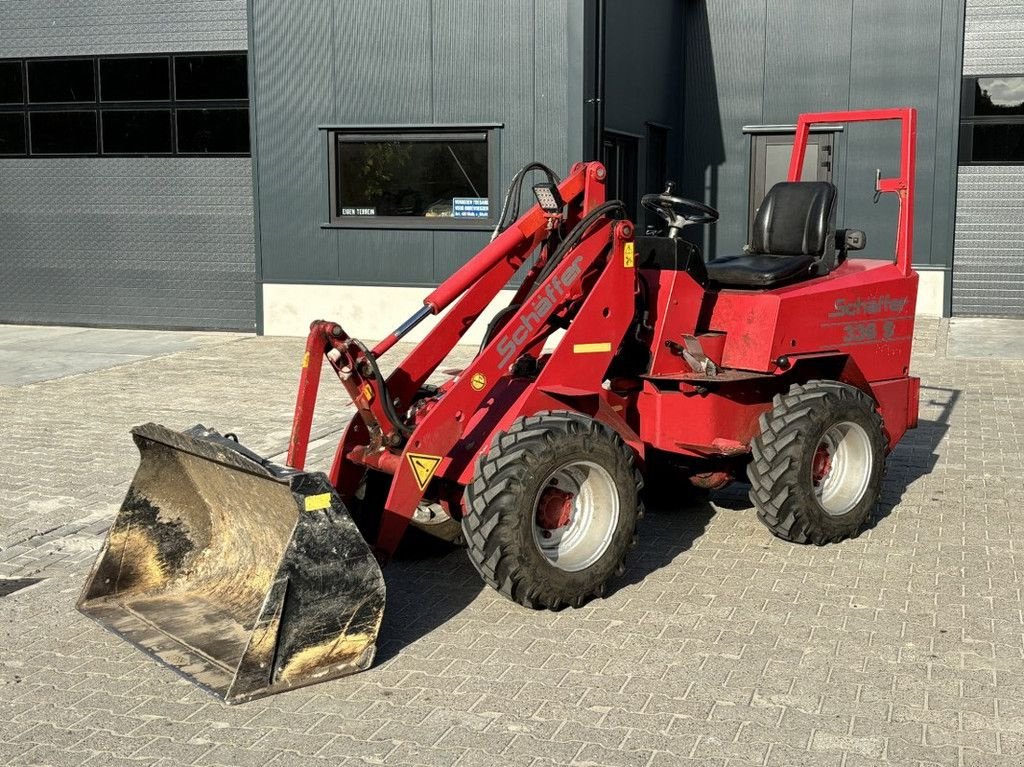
[247, 578]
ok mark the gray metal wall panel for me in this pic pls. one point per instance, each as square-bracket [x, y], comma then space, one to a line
[294, 90]
[73, 27]
[797, 63]
[764, 61]
[877, 79]
[988, 269]
[993, 32]
[116, 241]
[552, 96]
[724, 91]
[988, 274]
[398, 62]
[112, 241]
[647, 88]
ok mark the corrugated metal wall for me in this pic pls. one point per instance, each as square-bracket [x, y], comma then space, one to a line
[397, 62]
[988, 268]
[641, 90]
[113, 241]
[751, 62]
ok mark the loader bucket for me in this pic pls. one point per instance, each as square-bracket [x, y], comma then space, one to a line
[247, 578]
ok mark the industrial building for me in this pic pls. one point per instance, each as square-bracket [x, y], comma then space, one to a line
[235, 165]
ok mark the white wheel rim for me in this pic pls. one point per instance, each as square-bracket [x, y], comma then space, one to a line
[593, 518]
[841, 467]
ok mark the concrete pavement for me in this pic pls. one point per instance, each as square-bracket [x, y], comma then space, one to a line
[720, 646]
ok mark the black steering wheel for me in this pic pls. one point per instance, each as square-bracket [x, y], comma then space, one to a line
[678, 211]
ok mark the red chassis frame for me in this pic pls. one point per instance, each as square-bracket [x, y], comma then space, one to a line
[854, 325]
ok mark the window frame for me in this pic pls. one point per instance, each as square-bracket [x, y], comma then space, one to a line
[99, 106]
[969, 120]
[466, 132]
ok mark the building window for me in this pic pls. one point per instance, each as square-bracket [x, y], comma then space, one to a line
[215, 77]
[137, 131]
[63, 133]
[135, 78]
[12, 134]
[416, 176]
[213, 131]
[12, 83]
[156, 104]
[992, 120]
[64, 81]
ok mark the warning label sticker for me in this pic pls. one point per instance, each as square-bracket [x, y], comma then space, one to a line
[318, 502]
[423, 467]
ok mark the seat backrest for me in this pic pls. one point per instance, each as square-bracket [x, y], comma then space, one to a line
[797, 218]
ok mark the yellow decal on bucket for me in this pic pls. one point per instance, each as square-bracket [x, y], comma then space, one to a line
[368, 392]
[478, 381]
[318, 502]
[423, 467]
[628, 255]
[305, 360]
[591, 348]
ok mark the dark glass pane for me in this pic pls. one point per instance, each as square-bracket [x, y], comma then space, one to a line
[12, 133]
[63, 132]
[434, 178]
[211, 78]
[999, 96]
[11, 90]
[998, 143]
[142, 132]
[52, 82]
[213, 131]
[135, 79]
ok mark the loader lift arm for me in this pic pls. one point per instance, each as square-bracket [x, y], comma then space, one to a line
[385, 437]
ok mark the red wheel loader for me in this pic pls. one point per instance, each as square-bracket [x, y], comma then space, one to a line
[617, 357]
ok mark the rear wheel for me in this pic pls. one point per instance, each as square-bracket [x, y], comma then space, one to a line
[817, 465]
[552, 510]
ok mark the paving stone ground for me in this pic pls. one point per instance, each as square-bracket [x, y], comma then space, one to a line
[720, 646]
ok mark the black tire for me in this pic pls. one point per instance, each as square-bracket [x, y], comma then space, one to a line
[502, 500]
[789, 477]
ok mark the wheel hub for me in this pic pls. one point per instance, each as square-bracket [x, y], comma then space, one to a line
[554, 510]
[841, 467]
[822, 464]
[575, 515]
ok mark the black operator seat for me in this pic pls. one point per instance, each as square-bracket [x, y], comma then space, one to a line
[794, 238]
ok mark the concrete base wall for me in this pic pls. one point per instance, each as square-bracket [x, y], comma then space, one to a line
[930, 292]
[368, 312]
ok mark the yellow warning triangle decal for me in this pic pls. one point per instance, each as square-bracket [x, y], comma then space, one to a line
[423, 467]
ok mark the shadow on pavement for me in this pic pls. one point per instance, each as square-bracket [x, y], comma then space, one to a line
[423, 593]
[666, 531]
[917, 453]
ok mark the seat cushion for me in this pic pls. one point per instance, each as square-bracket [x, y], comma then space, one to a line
[759, 270]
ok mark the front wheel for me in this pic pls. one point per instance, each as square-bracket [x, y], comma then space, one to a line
[817, 465]
[552, 510]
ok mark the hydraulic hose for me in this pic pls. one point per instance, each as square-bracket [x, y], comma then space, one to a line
[388, 405]
[578, 233]
[510, 208]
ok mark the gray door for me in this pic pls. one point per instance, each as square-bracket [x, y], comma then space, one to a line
[769, 164]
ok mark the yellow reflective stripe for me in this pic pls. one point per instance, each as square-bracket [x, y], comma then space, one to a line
[591, 348]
